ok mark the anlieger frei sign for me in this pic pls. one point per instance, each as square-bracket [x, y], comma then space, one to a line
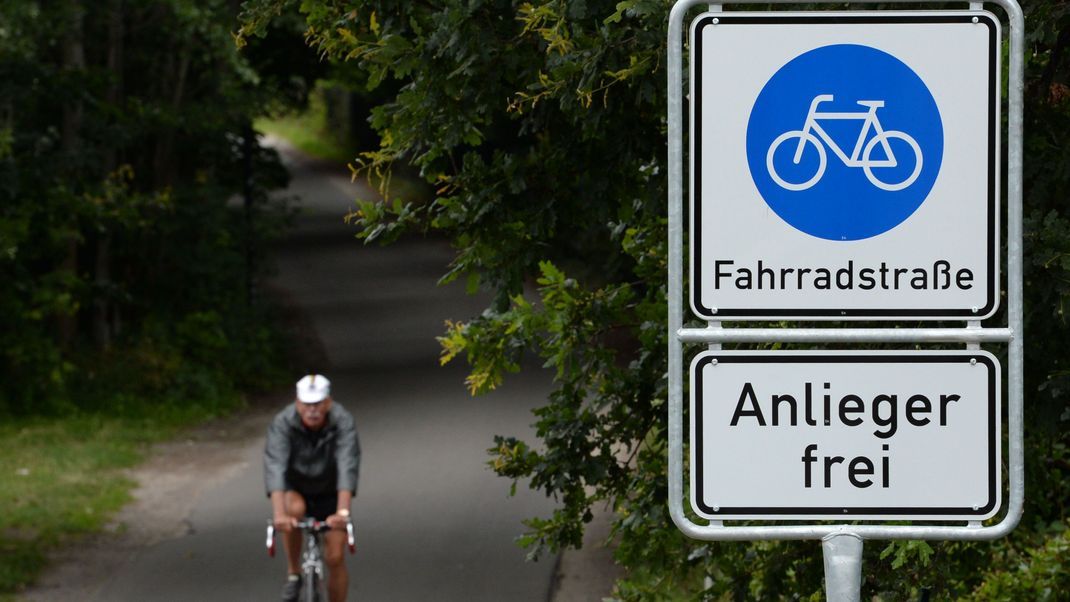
[835, 435]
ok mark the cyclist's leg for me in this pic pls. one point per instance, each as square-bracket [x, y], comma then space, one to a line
[334, 543]
[295, 507]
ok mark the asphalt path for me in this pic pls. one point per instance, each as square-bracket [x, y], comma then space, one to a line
[434, 523]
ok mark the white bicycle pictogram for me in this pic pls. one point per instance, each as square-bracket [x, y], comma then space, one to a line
[860, 155]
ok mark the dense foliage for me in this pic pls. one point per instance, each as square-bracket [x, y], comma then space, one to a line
[124, 130]
[542, 125]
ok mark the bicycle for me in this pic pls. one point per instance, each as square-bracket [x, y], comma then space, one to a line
[860, 155]
[312, 571]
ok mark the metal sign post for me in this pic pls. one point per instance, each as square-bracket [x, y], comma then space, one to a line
[843, 566]
[772, 261]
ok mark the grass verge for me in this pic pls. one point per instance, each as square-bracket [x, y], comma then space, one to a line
[63, 478]
[310, 133]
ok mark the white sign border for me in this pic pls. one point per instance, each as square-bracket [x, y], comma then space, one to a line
[772, 512]
[701, 310]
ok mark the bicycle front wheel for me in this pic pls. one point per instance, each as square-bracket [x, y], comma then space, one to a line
[312, 587]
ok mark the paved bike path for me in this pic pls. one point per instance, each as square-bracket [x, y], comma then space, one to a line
[433, 522]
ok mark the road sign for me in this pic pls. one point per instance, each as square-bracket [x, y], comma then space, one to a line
[905, 435]
[845, 165]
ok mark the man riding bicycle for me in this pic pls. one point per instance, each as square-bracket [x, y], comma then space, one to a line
[311, 466]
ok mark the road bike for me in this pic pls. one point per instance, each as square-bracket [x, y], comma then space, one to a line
[312, 569]
[861, 154]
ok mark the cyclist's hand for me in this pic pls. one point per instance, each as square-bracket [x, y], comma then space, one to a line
[285, 522]
[337, 521]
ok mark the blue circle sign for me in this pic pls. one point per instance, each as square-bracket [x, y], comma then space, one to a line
[844, 142]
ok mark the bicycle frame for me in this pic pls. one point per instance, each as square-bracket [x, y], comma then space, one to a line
[311, 552]
[870, 121]
[312, 562]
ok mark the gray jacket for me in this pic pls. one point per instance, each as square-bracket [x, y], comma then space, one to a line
[312, 462]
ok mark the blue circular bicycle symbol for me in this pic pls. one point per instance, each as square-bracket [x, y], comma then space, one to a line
[845, 142]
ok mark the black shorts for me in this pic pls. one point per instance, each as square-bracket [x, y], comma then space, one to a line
[321, 506]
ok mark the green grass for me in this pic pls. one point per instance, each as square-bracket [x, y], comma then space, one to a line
[308, 132]
[300, 132]
[62, 478]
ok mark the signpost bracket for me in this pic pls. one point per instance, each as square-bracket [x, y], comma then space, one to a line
[714, 326]
[843, 567]
[973, 325]
[714, 333]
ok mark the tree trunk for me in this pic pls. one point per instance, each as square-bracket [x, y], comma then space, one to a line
[102, 306]
[248, 192]
[163, 164]
[70, 143]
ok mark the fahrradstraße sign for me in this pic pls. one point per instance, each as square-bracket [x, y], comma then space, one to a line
[845, 165]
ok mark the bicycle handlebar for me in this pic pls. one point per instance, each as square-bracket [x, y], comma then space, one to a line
[351, 538]
[314, 526]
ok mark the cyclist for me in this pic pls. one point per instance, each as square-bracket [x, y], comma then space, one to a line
[311, 466]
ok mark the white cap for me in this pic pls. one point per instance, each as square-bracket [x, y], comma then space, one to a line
[313, 388]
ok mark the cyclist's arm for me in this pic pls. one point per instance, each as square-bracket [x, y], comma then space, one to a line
[347, 456]
[278, 509]
[344, 497]
[340, 518]
[276, 457]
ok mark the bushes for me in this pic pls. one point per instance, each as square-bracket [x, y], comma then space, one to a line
[1038, 573]
[124, 132]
